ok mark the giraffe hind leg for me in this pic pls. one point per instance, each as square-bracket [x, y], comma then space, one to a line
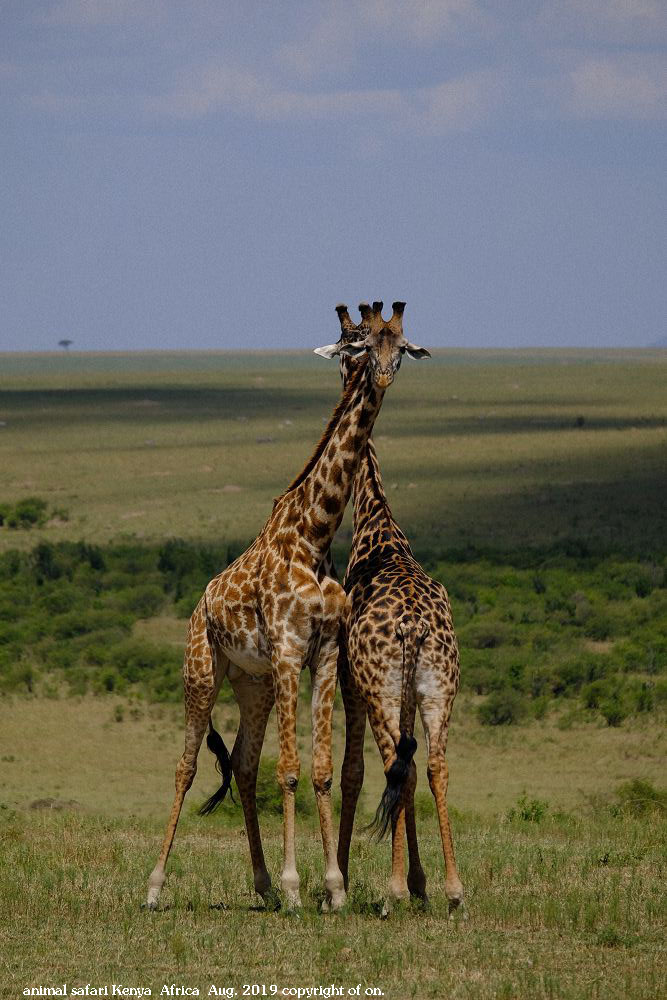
[436, 725]
[255, 700]
[352, 771]
[203, 674]
[416, 874]
[396, 751]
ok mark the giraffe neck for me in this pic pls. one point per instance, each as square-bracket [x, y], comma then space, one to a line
[320, 494]
[374, 524]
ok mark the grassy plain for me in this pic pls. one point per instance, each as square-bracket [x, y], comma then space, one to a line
[477, 448]
[564, 901]
[569, 907]
[500, 451]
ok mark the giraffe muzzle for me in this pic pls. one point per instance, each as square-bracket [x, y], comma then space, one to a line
[383, 379]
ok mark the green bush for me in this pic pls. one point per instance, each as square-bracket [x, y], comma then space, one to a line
[599, 625]
[641, 798]
[269, 795]
[488, 634]
[528, 810]
[613, 710]
[523, 620]
[27, 513]
[569, 677]
[611, 697]
[187, 604]
[142, 601]
[502, 708]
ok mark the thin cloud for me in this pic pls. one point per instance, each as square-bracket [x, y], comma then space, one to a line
[100, 13]
[452, 104]
[330, 46]
[427, 21]
[618, 22]
[337, 38]
[629, 86]
[319, 66]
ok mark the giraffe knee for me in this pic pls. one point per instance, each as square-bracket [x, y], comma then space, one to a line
[289, 779]
[437, 771]
[186, 770]
[288, 771]
[322, 781]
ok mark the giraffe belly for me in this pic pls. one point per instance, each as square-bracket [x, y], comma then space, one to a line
[249, 658]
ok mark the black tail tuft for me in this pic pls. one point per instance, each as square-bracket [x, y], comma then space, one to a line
[216, 745]
[391, 797]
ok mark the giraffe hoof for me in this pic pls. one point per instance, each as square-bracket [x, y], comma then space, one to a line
[455, 905]
[333, 902]
[291, 900]
[271, 900]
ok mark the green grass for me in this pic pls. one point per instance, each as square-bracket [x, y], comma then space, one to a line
[569, 907]
[561, 852]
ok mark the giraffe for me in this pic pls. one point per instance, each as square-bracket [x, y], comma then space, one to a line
[398, 652]
[273, 611]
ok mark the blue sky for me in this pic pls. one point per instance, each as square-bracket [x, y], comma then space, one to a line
[210, 174]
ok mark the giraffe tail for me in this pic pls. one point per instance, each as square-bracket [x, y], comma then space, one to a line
[216, 745]
[412, 633]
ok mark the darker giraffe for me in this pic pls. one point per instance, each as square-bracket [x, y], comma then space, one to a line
[398, 653]
[272, 612]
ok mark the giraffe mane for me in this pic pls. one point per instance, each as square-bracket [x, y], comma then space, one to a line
[341, 406]
[377, 488]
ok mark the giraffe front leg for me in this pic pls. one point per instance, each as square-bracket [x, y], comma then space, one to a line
[286, 688]
[324, 690]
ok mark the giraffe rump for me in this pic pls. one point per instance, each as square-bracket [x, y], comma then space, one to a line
[216, 745]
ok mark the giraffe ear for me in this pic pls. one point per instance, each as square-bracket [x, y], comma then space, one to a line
[416, 353]
[355, 349]
[330, 351]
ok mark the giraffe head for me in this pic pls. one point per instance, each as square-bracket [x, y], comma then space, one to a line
[375, 342]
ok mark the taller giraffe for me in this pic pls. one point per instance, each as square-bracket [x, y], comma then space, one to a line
[398, 652]
[272, 612]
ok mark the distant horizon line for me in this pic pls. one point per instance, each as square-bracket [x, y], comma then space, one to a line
[64, 352]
